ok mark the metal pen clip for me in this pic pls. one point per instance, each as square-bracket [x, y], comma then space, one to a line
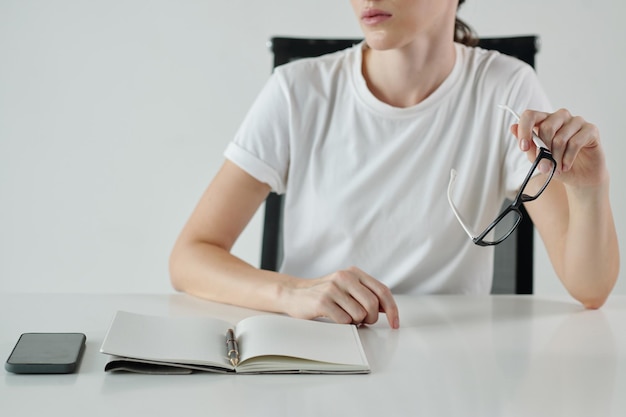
[232, 348]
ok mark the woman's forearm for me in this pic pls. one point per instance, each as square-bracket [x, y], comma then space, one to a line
[210, 272]
[590, 262]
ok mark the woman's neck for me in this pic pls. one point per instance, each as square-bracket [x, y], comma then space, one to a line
[406, 76]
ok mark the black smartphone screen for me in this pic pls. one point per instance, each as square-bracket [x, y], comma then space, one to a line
[46, 353]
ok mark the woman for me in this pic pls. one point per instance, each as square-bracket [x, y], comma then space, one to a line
[362, 143]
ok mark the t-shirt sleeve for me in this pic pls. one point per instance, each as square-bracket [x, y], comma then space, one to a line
[261, 145]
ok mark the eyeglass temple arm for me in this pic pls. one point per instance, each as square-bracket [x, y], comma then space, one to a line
[536, 138]
[454, 209]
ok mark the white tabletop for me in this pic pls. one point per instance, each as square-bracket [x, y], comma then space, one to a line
[453, 356]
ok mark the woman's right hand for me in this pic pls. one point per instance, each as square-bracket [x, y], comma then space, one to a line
[346, 296]
[201, 263]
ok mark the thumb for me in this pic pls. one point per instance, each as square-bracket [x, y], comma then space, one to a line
[524, 144]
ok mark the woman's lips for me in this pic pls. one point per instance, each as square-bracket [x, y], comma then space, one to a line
[374, 16]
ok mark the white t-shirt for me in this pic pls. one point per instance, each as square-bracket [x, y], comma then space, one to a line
[365, 183]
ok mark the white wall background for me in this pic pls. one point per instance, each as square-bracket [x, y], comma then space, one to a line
[114, 115]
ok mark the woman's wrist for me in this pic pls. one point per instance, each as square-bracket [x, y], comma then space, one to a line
[286, 287]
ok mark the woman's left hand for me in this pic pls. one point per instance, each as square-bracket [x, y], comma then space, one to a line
[574, 143]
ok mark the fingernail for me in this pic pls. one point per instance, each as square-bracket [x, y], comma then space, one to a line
[396, 323]
[525, 145]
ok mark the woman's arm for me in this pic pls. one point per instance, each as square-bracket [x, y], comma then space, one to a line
[573, 215]
[201, 263]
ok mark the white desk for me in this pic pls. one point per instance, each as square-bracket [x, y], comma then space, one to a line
[453, 356]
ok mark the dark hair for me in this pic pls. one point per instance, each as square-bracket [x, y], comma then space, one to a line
[463, 33]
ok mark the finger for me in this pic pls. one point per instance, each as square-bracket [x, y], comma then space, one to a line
[558, 129]
[570, 139]
[331, 300]
[334, 312]
[354, 297]
[528, 122]
[526, 146]
[368, 303]
[390, 309]
[386, 302]
[585, 137]
[355, 309]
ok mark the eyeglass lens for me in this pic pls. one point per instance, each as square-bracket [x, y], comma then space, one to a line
[543, 170]
[503, 228]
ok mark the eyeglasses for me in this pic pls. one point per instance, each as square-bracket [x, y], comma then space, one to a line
[509, 219]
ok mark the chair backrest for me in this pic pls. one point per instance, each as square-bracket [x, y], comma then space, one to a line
[513, 264]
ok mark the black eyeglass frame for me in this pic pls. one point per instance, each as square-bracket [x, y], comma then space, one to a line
[520, 199]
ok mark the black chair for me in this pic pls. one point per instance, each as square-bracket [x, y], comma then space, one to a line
[513, 265]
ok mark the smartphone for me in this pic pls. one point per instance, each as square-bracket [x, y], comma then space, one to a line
[46, 353]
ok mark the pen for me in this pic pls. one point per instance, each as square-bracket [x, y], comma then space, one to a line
[232, 348]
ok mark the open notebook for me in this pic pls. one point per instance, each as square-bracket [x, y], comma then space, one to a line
[265, 344]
